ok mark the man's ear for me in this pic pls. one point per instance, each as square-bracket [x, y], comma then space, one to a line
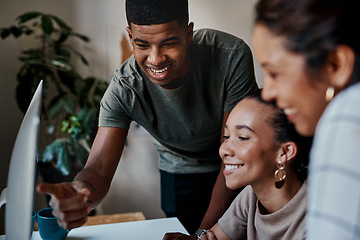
[129, 32]
[189, 32]
[341, 66]
[287, 152]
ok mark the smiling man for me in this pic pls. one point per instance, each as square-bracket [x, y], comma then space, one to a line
[180, 86]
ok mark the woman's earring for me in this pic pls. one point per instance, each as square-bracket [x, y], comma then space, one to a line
[280, 174]
[329, 95]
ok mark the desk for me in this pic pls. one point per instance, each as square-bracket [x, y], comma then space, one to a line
[115, 218]
[136, 229]
[111, 218]
[153, 229]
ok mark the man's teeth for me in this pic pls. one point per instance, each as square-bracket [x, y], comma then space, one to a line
[289, 111]
[231, 167]
[161, 71]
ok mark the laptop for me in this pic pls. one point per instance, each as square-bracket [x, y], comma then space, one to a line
[19, 194]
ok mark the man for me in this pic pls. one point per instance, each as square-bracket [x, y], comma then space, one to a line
[180, 86]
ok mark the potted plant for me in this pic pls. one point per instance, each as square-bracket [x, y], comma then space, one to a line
[70, 104]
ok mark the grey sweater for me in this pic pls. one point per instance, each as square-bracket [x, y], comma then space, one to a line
[244, 221]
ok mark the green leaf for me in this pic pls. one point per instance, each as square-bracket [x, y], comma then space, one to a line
[80, 153]
[82, 37]
[90, 120]
[63, 26]
[69, 103]
[5, 32]
[61, 65]
[16, 31]
[28, 32]
[63, 160]
[55, 106]
[83, 59]
[27, 17]
[64, 125]
[31, 60]
[51, 128]
[58, 43]
[65, 102]
[58, 151]
[47, 25]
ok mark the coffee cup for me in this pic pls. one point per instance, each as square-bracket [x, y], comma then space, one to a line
[49, 229]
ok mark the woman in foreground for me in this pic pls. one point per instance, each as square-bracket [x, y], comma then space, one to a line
[262, 151]
[310, 54]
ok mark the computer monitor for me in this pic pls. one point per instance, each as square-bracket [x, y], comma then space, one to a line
[21, 176]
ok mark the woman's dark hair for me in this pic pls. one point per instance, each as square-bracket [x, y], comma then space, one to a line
[148, 12]
[314, 28]
[284, 132]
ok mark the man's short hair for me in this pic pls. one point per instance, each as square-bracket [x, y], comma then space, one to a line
[149, 12]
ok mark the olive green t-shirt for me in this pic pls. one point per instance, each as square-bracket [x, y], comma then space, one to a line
[186, 122]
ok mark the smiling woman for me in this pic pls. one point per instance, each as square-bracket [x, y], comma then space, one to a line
[318, 87]
[262, 152]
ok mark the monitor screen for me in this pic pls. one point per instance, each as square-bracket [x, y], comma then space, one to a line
[21, 175]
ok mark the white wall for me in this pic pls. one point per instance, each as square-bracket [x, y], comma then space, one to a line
[232, 16]
[104, 22]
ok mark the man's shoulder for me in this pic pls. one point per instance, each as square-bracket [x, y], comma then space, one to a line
[213, 37]
[127, 72]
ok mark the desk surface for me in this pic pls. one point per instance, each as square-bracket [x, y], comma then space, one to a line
[115, 218]
[153, 229]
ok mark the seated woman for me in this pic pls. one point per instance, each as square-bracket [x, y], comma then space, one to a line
[262, 151]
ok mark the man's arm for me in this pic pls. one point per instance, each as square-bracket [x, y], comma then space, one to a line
[102, 162]
[221, 197]
[73, 201]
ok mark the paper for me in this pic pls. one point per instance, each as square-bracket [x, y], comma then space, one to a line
[154, 229]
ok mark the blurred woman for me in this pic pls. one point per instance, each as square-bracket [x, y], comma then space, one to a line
[309, 51]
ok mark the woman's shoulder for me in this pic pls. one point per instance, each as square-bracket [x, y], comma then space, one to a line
[246, 200]
[345, 103]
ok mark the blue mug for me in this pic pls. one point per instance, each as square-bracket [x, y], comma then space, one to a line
[48, 226]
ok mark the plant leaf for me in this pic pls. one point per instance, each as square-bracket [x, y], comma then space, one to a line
[16, 31]
[58, 150]
[69, 103]
[51, 128]
[55, 106]
[5, 32]
[83, 59]
[80, 153]
[89, 120]
[61, 65]
[27, 17]
[47, 25]
[63, 160]
[63, 26]
[31, 60]
[82, 37]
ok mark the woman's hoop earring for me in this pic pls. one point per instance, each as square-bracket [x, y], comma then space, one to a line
[280, 174]
[329, 95]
